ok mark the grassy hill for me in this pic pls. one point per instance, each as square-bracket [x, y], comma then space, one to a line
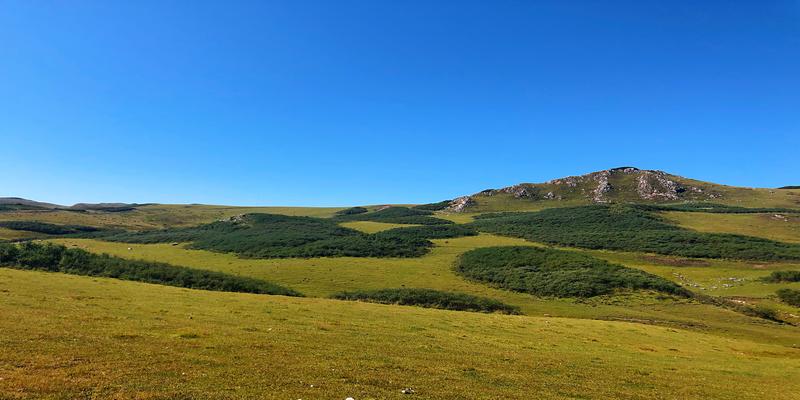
[620, 185]
[630, 284]
[67, 337]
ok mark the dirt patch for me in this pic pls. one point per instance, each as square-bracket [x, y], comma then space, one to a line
[780, 217]
[676, 261]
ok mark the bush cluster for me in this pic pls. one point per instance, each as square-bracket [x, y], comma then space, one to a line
[434, 206]
[431, 299]
[559, 273]
[55, 258]
[789, 296]
[397, 215]
[46, 228]
[783, 276]
[352, 211]
[713, 208]
[281, 236]
[629, 228]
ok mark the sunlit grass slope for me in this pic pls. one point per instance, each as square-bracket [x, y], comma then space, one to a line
[157, 216]
[67, 337]
[372, 226]
[322, 277]
[775, 226]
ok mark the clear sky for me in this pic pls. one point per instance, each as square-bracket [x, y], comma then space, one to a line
[367, 102]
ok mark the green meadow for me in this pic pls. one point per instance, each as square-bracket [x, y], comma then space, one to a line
[637, 335]
[67, 337]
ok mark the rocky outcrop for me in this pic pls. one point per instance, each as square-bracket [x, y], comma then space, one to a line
[603, 186]
[652, 185]
[461, 203]
[518, 191]
[551, 196]
[570, 181]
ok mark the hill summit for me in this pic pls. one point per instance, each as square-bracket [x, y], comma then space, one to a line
[623, 184]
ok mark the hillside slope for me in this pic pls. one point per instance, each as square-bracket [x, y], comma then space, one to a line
[67, 337]
[624, 184]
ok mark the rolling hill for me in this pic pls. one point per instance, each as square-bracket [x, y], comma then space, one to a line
[622, 283]
[623, 184]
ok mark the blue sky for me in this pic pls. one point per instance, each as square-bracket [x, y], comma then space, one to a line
[368, 102]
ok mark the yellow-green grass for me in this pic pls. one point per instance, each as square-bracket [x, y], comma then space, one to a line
[371, 226]
[707, 276]
[507, 202]
[158, 216]
[459, 218]
[322, 277]
[758, 197]
[67, 337]
[775, 226]
[11, 234]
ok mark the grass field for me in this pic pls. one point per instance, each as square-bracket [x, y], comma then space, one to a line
[66, 337]
[372, 226]
[780, 227]
[322, 277]
[157, 216]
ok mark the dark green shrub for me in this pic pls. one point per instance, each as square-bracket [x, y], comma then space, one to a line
[46, 228]
[434, 206]
[629, 228]
[352, 211]
[281, 236]
[431, 232]
[783, 276]
[431, 299]
[789, 296]
[713, 208]
[19, 207]
[8, 253]
[55, 258]
[397, 215]
[559, 273]
[764, 312]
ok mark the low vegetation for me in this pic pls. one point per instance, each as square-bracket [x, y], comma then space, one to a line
[56, 258]
[431, 299]
[46, 228]
[629, 228]
[281, 236]
[19, 207]
[397, 215]
[74, 337]
[783, 276]
[558, 273]
[714, 208]
[789, 296]
[352, 211]
[434, 206]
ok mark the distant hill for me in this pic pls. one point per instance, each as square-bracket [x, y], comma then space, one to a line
[790, 187]
[623, 184]
[25, 204]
